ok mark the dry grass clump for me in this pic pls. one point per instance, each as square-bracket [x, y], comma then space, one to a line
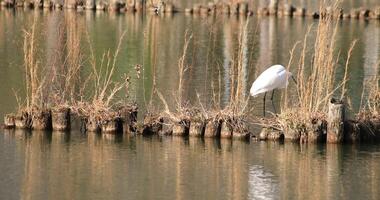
[371, 108]
[35, 104]
[316, 79]
[100, 106]
[66, 80]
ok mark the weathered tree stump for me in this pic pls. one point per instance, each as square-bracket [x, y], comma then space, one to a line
[352, 131]
[197, 128]
[241, 134]
[41, 120]
[243, 8]
[288, 10]
[240, 129]
[169, 8]
[181, 128]
[226, 9]
[90, 4]
[300, 12]
[273, 7]
[268, 133]
[263, 11]
[111, 125]
[23, 120]
[234, 8]
[212, 7]
[128, 117]
[152, 124]
[376, 13]
[335, 120]
[317, 130]
[61, 119]
[364, 13]
[167, 127]
[9, 121]
[355, 13]
[92, 124]
[226, 129]
[189, 11]
[212, 128]
[100, 6]
[197, 8]
[292, 134]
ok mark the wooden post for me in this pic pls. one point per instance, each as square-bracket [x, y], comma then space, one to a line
[273, 7]
[317, 131]
[90, 4]
[335, 122]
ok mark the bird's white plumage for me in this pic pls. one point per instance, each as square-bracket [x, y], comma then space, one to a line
[275, 77]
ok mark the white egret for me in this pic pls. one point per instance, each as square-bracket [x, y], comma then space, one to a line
[275, 77]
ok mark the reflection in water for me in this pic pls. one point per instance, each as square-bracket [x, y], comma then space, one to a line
[262, 184]
[42, 165]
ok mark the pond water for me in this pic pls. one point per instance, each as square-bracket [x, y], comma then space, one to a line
[74, 165]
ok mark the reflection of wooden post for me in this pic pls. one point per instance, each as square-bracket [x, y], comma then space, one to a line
[335, 122]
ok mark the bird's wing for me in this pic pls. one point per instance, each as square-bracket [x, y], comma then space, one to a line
[268, 80]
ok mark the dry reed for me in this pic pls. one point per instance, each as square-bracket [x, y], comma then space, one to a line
[316, 83]
[101, 104]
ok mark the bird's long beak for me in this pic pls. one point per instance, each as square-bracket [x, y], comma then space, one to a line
[294, 80]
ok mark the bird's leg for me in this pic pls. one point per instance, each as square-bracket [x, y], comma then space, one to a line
[274, 108]
[265, 94]
[294, 80]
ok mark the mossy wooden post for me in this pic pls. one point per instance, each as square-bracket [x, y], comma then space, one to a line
[8, 3]
[92, 124]
[131, 5]
[197, 128]
[128, 117]
[41, 120]
[152, 124]
[90, 4]
[234, 8]
[335, 121]
[292, 134]
[114, 5]
[9, 121]
[271, 134]
[47, 4]
[352, 131]
[288, 10]
[61, 119]
[23, 120]
[111, 126]
[243, 8]
[70, 4]
[226, 129]
[167, 127]
[226, 9]
[38, 3]
[181, 128]
[273, 7]
[212, 128]
[317, 131]
[58, 4]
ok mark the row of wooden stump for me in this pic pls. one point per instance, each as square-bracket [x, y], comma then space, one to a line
[215, 127]
[126, 122]
[60, 120]
[335, 129]
[211, 8]
[285, 10]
